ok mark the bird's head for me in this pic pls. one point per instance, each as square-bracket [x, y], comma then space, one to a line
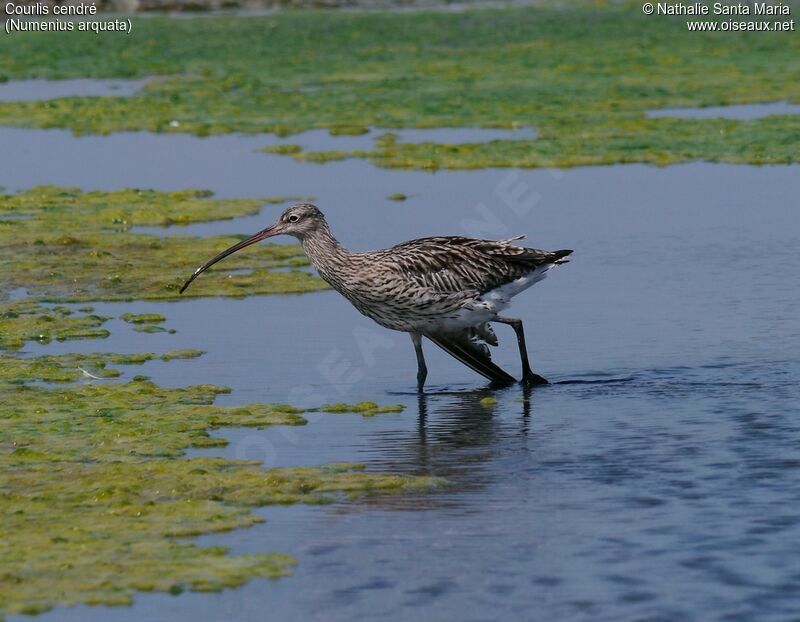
[298, 220]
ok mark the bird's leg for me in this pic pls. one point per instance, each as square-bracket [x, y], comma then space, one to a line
[422, 369]
[528, 377]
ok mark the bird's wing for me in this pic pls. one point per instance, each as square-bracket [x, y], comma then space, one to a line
[458, 264]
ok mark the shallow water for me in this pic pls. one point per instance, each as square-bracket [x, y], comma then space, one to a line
[458, 135]
[741, 112]
[39, 89]
[657, 477]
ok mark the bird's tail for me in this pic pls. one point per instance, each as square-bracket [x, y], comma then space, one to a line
[561, 256]
[463, 346]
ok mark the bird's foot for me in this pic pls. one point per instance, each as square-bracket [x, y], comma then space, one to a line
[501, 384]
[530, 379]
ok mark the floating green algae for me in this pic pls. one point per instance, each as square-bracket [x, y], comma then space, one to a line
[23, 321]
[352, 130]
[97, 489]
[71, 367]
[365, 409]
[320, 157]
[147, 322]
[282, 149]
[532, 66]
[77, 246]
[143, 318]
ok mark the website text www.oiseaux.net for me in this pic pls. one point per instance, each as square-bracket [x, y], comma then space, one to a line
[761, 16]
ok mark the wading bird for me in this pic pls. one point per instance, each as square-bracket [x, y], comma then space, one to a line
[447, 289]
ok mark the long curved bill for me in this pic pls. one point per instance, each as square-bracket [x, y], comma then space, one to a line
[261, 235]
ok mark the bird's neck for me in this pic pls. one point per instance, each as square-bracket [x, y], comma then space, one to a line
[325, 252]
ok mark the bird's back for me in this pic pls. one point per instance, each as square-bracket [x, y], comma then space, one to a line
[459, 264]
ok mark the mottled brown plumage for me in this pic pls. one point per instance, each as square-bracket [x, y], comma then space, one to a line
[445, 288]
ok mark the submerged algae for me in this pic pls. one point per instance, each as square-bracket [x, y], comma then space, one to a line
[96, 486]
[75, 246]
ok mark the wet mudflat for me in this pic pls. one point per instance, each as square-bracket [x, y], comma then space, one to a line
[656, 478]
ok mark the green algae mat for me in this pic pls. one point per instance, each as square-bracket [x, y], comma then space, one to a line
[97, 496]
[62, 244]
[583, 74]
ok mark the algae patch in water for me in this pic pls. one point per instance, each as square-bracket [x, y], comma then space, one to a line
[76, 246]
[97, 491]
[146, 322]
[143, 318]
[583, 73]
[282, 149]
[23, 321]
[72, 367]
[365, 409]
[152, 328]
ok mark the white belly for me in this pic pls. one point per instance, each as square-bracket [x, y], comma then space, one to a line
[488, 306]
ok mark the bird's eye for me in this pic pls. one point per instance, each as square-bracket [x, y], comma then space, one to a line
[294, 218]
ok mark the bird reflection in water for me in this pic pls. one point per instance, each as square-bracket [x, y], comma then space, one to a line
[458, 436]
